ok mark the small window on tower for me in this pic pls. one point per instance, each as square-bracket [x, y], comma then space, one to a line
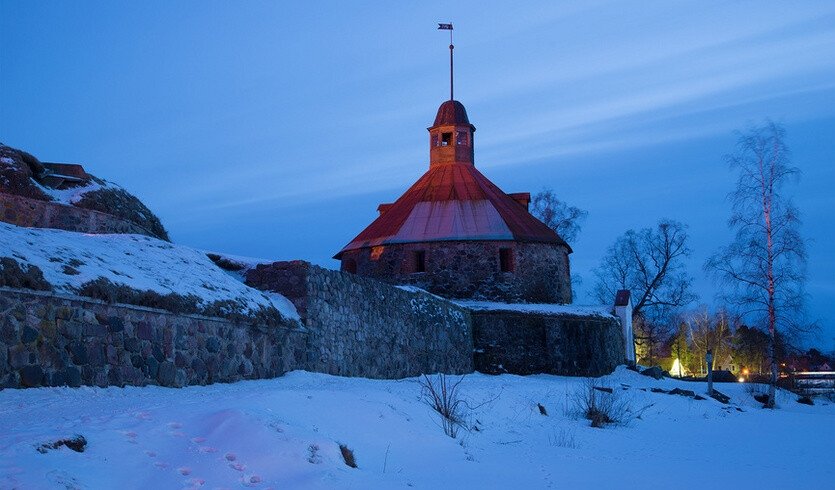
[506, 259]
[461, 138]
[446, 139]
[420, 261]
[436, 139]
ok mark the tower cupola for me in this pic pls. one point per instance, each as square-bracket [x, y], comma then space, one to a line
[451, 136]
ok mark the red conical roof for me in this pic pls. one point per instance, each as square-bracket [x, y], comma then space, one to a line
[453, 202]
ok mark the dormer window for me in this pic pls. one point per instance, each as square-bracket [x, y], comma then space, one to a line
[446, 139]
[461, 138]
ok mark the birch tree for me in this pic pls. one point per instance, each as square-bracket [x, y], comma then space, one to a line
[762, 270]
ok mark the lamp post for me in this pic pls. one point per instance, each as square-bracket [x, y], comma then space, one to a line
[709, 361]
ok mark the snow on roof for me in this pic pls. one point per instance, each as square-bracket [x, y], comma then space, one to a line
[137, 261]
[550, 309]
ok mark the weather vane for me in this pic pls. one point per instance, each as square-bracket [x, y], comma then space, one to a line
[448, 27]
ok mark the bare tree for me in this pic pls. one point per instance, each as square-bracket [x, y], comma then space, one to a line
[709, 332]
[764, 266]
[649, 334]
[565, 220]
[650, 264]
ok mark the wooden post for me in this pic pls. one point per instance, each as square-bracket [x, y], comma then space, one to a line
[709, 361]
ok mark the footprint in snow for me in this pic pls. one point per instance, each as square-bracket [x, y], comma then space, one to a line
[250, 480]
[196, 482]
[184, 470]
[130, 436]
[64, 480]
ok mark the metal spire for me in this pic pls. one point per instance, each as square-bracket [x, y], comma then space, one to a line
[448, 27]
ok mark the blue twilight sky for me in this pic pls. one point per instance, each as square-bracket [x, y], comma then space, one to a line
[273, 129]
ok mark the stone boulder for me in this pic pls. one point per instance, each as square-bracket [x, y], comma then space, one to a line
[18, 171]
[653, 372]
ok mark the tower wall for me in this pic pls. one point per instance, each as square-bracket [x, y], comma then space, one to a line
[470, 269]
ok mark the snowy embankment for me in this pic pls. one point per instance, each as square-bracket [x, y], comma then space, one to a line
[73, 195]
[68, 260]
[286, 432]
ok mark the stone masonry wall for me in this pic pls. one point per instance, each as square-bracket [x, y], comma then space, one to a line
[49, 340]
[471, 269]
[22, 211]
[361, 327]
[528, 343]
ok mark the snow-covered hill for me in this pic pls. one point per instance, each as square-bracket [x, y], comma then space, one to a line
[286, 432]
[68, 260]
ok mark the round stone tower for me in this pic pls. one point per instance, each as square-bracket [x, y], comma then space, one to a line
[455, 234]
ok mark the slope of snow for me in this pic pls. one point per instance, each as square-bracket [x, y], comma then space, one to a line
[137, 261]
[285, 433]
[553, 309]
[74, 194]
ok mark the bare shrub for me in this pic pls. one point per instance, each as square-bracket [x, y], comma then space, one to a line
[105, 290]
[13, 275]
[755, 389]
[443, 397]
[224, 263]
[348, 455]
[564, 438]
[601, 407]
[70, 271]
[122, 204]
[110, 292]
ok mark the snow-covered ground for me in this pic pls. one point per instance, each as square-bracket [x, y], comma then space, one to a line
[68, 260]
[285, 433]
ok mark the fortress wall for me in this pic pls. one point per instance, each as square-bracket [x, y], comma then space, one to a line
[351, 326]
[53, 340]
[22, 211]
[528, 343]
[362, 327]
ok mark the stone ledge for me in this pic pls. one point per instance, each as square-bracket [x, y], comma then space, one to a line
[35, 213]
[298, 327]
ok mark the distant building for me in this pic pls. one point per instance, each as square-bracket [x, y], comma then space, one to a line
[455, 234]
